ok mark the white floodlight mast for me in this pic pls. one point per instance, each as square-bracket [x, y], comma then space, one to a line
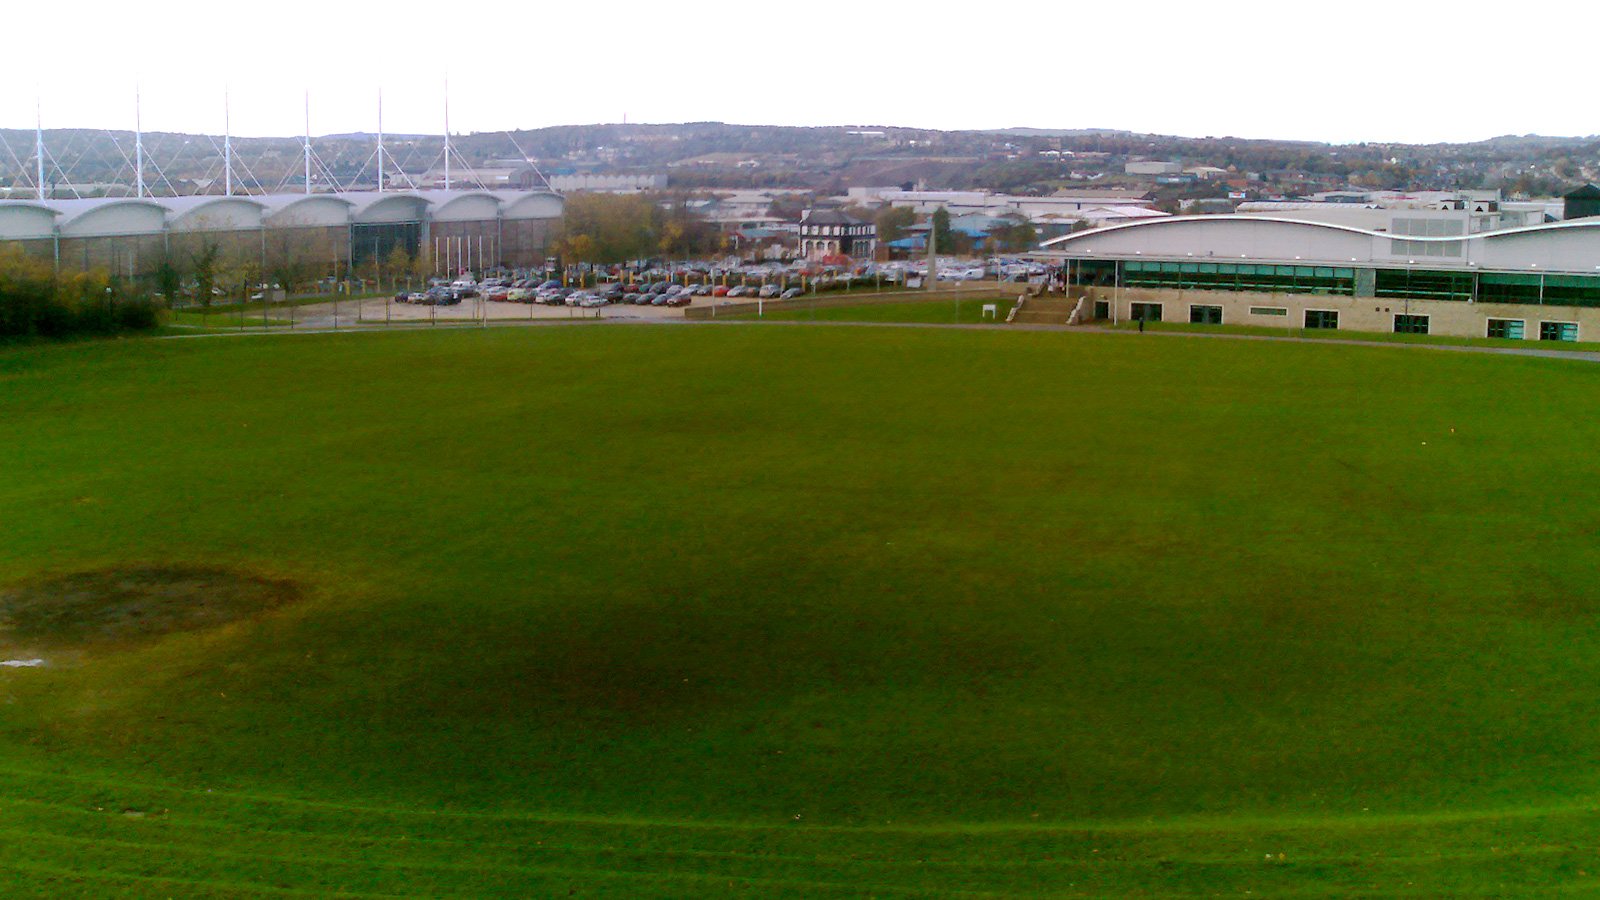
[38, 143]
[138, 146]
[227, 146]
[447, 132]
[380, 140]
[308, 142]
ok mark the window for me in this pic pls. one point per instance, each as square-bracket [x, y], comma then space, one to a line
[1146, 312]
[1510, 329]
[1404, 324]
[1205, 315]
[1322, 319]
[1558, 331]
[1269, 311]
[1102, 309]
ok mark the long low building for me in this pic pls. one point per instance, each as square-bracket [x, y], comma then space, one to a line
[1541, 282]
[301, 235]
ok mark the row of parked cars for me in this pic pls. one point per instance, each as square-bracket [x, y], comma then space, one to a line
[435, 296]
[552, 293]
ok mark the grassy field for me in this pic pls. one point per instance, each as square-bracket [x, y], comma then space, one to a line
[796, 612]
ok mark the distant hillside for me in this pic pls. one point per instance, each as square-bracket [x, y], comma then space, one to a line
[701, 155]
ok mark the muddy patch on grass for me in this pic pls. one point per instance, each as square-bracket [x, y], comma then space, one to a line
[91, 610]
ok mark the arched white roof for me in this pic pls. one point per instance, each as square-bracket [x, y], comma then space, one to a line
[531, 204]
[464, 206]
[400, 206]
[110, 215]
[307, 210]
[213, 213]
[22, 220]
[1572, 246]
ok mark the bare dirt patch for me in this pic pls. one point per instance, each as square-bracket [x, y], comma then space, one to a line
[88, 610]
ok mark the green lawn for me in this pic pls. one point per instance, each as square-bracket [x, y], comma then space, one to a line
[680, 611]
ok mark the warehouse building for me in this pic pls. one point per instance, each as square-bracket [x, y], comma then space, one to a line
[315, 234]
[1540, 282]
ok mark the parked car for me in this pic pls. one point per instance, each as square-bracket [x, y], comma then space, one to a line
[769, 291]
[720, 290]
[791, 293]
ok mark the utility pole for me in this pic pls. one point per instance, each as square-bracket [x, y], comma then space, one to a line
[933, 254]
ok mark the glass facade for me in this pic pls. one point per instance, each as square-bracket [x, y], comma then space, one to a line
[379, 240]
[1212, 276]
[1389, 283]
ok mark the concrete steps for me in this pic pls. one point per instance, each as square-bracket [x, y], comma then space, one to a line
[1046, 310]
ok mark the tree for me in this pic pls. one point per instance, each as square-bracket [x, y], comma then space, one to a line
[296, 254]
[607, 228]
[206, 260]
[238, 266]
[1013, 237]
[943, 237]
[892, 222]
[169, 279]
[398, 265]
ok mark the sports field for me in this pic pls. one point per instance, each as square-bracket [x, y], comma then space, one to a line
[640, 611]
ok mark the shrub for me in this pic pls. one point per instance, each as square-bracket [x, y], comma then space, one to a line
[36, 302]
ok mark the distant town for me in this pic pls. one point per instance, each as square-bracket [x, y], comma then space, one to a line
[1004, 191]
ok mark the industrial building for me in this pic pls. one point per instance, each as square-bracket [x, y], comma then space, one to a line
[316, 235]
[1540, 282]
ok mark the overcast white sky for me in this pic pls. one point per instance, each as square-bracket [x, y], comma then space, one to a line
[1348, 71]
